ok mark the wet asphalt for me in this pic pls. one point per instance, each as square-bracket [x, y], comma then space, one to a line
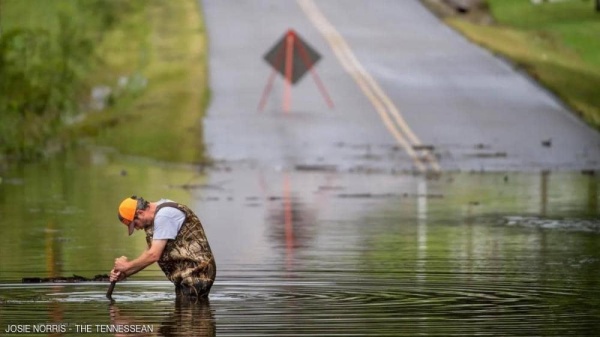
[409, 94]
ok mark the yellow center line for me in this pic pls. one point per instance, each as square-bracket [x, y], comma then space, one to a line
[381, 102]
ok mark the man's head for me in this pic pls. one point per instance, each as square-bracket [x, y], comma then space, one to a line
[129, 211]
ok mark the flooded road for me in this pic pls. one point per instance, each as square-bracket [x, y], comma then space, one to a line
[389, 215]
[309, 252]
[332, 223]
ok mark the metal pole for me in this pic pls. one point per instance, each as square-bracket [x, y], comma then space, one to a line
[309, 65]
[289, 66]
[278, 60]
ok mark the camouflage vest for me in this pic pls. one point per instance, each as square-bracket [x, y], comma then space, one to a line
[187, 259]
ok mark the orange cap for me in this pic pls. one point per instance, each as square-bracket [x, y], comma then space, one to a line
[127, 210]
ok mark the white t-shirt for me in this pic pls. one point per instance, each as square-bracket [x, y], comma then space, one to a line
[167, 222]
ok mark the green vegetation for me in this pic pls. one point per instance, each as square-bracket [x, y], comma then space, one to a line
[146, 57]
[45, 52]
[557, 43]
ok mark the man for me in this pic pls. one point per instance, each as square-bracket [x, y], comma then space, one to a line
[176, 240]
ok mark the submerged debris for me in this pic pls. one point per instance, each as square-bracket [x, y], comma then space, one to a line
[71, 279]
[567, 224]
[366, 195]
[547, 142]
[317, 168]
[423, 147]
[488, 155]
[588, 172]
[215, 186]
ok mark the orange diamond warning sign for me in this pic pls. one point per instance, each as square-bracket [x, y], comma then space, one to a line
[292, 57]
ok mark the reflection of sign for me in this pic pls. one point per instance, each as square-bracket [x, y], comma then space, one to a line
[292, 57]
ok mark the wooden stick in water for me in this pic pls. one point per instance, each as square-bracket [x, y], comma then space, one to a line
[110, 290]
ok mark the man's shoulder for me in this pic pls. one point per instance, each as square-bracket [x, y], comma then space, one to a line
[166, 203]
[168, 208]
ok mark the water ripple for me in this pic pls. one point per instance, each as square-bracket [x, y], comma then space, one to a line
[344, 303]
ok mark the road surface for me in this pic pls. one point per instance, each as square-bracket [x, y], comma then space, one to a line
[409, 94]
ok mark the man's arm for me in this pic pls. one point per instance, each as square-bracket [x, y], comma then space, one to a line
[147, 258]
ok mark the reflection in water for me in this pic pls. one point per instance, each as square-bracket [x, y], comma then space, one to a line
[52, 251]
[123, 324]
[83, 310]
[291, 219]
[593, 196]
[186, 319]
[315, 253]
[53, 266]
[544, 193]
[190, 319]
[421, 229]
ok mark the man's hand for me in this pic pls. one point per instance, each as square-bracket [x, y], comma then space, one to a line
[128, 268]
[116, 276]
[121, 264]
[119, 271]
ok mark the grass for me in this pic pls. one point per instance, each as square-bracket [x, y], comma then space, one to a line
[556, 43]
[162, 52]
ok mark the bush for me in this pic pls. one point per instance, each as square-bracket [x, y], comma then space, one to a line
[43, 70]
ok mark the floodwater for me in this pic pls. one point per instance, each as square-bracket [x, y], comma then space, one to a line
[307, 251]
